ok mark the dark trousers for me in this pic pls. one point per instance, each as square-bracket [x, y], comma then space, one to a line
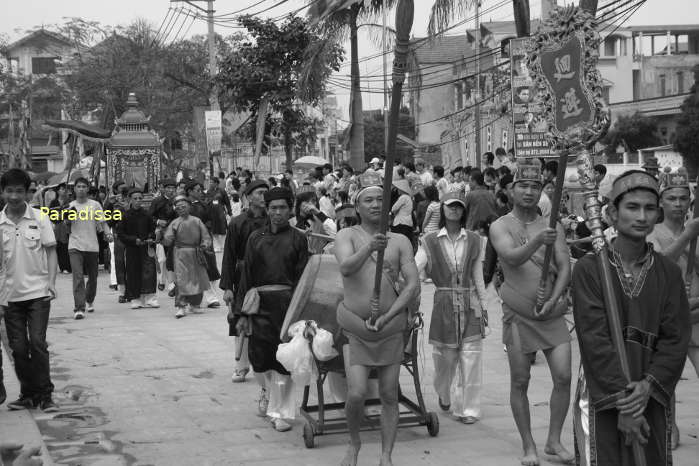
[26, 323]
[63, 258]
[119, 261]
[83, 263]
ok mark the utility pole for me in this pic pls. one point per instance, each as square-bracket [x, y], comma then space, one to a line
[477, 109]
[213, 66]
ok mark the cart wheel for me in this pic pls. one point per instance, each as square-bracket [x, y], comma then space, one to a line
[432, 424]
[308, 435]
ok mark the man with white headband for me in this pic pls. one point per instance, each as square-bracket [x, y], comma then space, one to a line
[379, 344]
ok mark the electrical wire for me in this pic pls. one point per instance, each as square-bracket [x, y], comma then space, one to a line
[168, 30]
[162, 23]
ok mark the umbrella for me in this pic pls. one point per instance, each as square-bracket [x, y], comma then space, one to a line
[310, 160]
[39, 177]
[63, 177]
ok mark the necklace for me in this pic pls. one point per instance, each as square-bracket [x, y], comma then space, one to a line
[522, 221]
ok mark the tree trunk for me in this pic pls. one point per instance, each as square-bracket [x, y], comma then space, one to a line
[288, 149]
[590, 6]
[356, 114]
[522, 21]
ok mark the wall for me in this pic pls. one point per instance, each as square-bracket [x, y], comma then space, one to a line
[433, 104]
[669, 65]
[617, 68]
[26, 52]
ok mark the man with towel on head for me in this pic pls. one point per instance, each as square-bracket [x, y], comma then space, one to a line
[380, 344]
[189, 237]
[275, 257]
[520, 239]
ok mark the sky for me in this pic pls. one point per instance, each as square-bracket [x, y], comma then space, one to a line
[31, 13]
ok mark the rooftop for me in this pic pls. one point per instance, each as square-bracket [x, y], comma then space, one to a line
[664, 28]
[41, 36]
[445, 49]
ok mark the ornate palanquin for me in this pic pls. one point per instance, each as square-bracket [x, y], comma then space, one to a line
[133, 152]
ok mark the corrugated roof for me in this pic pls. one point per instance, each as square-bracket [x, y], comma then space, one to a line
[446, 49]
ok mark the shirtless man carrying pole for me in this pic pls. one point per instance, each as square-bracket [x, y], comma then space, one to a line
[382, 344]
[520, 238]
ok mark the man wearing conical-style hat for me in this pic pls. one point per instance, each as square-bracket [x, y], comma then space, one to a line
[378, 344]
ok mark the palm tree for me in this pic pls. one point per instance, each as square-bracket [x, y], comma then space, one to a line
[336, 28]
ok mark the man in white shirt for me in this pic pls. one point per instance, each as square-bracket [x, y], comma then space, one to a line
[425, 175]
[83, 248]
[29, 265]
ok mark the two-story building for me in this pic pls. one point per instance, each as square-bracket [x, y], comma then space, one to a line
[39, 55]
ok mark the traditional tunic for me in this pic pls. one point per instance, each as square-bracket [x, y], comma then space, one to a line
[187, 234]
[270, 259]
[662, 239]
[456, 267]
[654, 315]
[203, 212]
[140, 263]
[162, 208]
[239, 230]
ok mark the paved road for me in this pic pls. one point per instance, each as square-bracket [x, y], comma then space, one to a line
[141, 387]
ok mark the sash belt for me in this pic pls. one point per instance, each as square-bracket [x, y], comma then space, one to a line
[636, 335]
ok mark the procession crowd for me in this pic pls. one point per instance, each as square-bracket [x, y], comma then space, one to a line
[247, 240]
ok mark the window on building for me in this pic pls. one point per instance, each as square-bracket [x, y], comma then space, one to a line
[610, 46]
[663, 134]
[605, 93]
[662, 85]
[458, 96]
[43, 65]
[624, 45]
[680, 82]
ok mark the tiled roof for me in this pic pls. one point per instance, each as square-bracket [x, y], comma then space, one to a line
[40, 34]
[446, 49]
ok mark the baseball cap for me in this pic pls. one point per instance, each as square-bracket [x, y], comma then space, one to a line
[454, 197]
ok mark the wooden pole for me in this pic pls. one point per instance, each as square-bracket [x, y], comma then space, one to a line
[593, 210]
[692, 247]
[405, 11]
[541, 292]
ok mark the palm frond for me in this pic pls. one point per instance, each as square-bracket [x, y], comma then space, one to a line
[444, 11]
[375, 33]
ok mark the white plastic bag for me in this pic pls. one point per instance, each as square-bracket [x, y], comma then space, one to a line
[296, 356]
[323, 345]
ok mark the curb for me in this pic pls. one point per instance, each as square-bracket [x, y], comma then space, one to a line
[18, 426]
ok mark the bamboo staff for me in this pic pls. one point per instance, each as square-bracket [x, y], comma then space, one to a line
[541, 292]
[692, 247]
[593, 210]
[404, 23]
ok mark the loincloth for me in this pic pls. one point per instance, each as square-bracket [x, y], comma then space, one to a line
[528, 335]
[368, 348]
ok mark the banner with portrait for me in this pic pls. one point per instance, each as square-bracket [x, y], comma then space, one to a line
[530, 127]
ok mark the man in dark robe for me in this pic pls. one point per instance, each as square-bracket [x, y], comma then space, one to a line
[275, 257]
[237, 234]
[137, 232]
[654, 315]
[118, 202]
[162, 212]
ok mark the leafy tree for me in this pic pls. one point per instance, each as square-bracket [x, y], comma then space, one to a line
[267, 67]
[335, 28]
[687, 140]
[633, 132]
[374, 135]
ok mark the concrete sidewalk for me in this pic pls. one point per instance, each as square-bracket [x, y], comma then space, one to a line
[18, 426]
[139, 387]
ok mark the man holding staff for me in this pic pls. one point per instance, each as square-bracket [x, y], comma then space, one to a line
[654, 315]
[520, 239]
[379, 344]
